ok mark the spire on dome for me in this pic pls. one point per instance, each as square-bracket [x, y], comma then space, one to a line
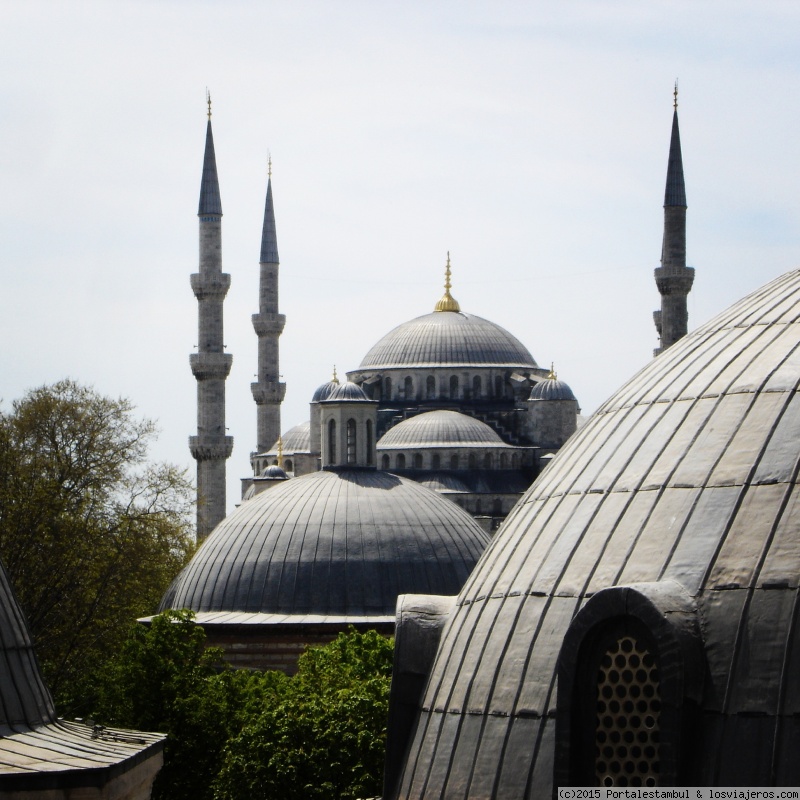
[675, 194]
[447, 302]
[210, 202]
[335, 378]
[269, 236]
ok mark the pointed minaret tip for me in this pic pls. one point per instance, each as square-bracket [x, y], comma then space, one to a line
[447, 302]
[210, 202]
[675, 192]
[269, 235]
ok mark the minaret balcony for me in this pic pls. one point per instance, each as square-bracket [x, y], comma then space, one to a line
[210, 366]
[674, 279]
[214, 285]
[268, 392]
[269, 324]
[211, 448]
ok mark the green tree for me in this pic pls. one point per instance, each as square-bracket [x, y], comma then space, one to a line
[91, 532]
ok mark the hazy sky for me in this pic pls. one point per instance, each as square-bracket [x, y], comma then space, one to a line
[529, 139]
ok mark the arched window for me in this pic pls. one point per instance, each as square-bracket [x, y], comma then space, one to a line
[387, 388]
[417, 460]
[430, 387]
[331, 442]
[384, 461]
[476, 387]
[498, 386]
[503, 460]
[351, 441]
[487, 461]
[471, 461]
[454, 461]
[515, 460]
[369, 442]
[401, 461]
[436, 461]
[454, 387]
[288, 465]
[408, 388]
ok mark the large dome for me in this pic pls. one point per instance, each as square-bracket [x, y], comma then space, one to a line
[448, 339]
[671, 521]
[343, 543]
[439, 429]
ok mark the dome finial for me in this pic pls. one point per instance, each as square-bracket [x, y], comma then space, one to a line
[675, 96]
[335, 378]
[208, 100]
[280, 452]
[448, 302]
[552, 375]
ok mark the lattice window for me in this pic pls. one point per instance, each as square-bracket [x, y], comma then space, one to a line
[628, 716]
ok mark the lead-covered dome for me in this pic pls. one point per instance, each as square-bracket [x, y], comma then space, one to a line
[343, 543]
[664, 537]
[439, 429]
[448, 339]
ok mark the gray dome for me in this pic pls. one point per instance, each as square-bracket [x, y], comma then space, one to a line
[683, 489]
[331, 543]
[439, 429]
[448, 338]
[350, 392]
[323, 392]
[551, 389]
[295, 440]
[275, 473]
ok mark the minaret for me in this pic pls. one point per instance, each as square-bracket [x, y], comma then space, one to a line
[210, 365]
[268, 391]
[673, 278]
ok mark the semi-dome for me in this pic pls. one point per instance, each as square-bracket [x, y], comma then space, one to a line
[551, 389]
[295, 440]
[343, 543]
[448, 339]
[665, 536]
[349, 392]
[439, 429]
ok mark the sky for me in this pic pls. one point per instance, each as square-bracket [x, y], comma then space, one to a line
[528, 139]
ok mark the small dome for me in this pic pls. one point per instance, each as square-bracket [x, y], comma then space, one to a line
[551, 389]
[295, 440]
[350, 392]
[275, 473]
[331, 543]
[439, 429]
[448, 338]
[324, 392]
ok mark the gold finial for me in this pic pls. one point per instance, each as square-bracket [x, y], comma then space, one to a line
[335, 378]
[269, 164]
[280, 452]
[448, 302]
[552, 374]
[675, 96]
[208, 100]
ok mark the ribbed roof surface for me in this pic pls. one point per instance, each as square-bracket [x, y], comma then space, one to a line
[349, 392]
[439, 429]
[295, 440]
[210, 202]
[448, 338]
[324, 392]
[331, 543]
[687, 476]
[551, 389]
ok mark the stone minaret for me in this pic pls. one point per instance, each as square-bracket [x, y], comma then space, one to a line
[268, 391]
[210, 365]
[673, 278]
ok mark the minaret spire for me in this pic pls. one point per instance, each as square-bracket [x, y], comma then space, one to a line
[673, 278]
[210, 364]
[268, 391]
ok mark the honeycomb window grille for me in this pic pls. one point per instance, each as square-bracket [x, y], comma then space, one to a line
[627, 715]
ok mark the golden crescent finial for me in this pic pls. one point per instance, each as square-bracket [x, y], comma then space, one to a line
[208, 100]
[675, 96]
[552, 375]
[448, 302]
[335, 378]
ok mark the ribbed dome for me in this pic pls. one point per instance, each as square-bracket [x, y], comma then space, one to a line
[331, 543]
[439, 429]
[685, 480]
[295, 440]
[275, 473]
[448, 338]
[551, 389]
[350, 392]
[324, 392]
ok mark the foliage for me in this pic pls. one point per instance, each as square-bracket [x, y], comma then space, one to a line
[91, 533]
[324, 735]
[235, 734]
